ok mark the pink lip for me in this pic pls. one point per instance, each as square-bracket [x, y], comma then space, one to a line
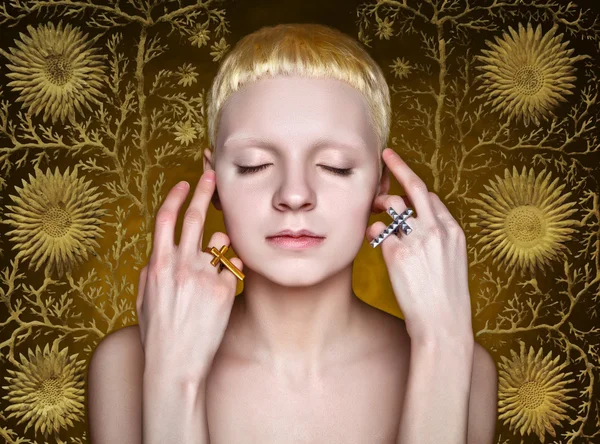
[295, 242]
[296, 233]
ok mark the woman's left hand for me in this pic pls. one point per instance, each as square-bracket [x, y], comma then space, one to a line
[428, 268]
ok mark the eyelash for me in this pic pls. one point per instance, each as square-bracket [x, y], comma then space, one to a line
[338, 171]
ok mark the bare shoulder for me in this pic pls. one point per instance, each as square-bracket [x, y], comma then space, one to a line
[118, 358]
[123, 344]
[129, 333]
[114, 386]
[394, 329]
[391, 328]
[485, 373]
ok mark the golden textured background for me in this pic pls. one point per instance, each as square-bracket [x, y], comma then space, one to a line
[495, 106]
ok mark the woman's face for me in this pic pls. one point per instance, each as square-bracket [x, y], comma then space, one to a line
[295, 189]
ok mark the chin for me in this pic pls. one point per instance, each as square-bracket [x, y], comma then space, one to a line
[295, 279]
[299, 273]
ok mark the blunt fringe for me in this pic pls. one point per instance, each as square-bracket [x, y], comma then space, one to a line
[302, 49]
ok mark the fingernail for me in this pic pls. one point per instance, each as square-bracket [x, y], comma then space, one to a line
[183, 185]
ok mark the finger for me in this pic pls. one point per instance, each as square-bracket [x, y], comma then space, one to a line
[441, 211]
[166, 218]
[195, 216]
[139, 303]
[414, 186]
[219, 240]
[399, 203]
[389, 244]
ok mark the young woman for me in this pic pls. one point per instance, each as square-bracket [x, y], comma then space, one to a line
[298, 123]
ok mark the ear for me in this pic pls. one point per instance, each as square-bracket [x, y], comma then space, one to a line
[208, 165]
[383, 187]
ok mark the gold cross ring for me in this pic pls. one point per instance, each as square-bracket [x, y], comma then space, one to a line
[219, 256]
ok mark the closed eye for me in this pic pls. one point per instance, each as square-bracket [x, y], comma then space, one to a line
[338, 171]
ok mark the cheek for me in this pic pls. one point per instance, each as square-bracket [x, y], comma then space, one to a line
[239, 213]
[350, 215]
[355, 203]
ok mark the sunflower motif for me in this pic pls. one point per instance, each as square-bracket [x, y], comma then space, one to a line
[185, 132]
[524, 220]
[187, 74]
[531, 392]
[200, 36]
[56, 218]
[526, 75]
[401, 68]
[55, 71]
[47, 391]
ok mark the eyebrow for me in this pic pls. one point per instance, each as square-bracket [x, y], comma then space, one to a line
[321, 142]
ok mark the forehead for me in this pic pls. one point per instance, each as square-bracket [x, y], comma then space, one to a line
[291, 109]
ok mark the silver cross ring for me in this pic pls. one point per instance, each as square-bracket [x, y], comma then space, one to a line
[399, 221]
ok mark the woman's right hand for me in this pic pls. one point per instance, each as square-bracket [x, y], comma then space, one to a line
[183, 302]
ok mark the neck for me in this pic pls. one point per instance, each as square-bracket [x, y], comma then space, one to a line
[297, 328]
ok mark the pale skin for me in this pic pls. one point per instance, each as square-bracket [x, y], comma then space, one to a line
[302, 358]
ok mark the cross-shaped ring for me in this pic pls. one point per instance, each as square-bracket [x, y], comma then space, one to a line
[219, 256]
[399, 222]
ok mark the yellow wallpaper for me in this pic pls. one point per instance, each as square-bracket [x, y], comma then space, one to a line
[495, 106]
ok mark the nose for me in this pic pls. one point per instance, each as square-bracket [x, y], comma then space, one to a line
[295, 192]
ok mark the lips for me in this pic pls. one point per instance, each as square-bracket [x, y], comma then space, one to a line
[295, 243]
[296, 234]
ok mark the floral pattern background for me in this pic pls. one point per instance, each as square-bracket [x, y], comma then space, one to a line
[495, 105]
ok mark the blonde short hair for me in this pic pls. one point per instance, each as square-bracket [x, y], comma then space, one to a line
[308, 50]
